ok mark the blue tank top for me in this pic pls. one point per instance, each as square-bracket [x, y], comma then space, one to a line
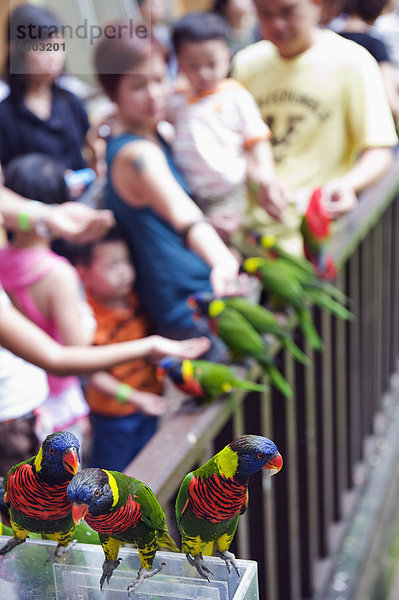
[167, 272]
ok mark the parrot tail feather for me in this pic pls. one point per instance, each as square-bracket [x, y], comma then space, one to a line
[295, 351]
[278, 381]
[330, 305]
[167, 543]
[309, 330]
[251, 386]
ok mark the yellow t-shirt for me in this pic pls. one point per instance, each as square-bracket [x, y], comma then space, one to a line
[323, 107]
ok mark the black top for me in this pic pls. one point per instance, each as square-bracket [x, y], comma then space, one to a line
[62, 135]
[374, 45]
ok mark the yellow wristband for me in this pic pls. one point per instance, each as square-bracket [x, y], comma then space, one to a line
[123, 392]
[23, 222]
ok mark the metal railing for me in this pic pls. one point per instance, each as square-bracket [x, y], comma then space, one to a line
[295, 522]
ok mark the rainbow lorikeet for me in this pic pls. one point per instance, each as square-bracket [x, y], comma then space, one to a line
[301, 267]
[35, 491]
[284, 290]
[265, 321]
[122, 510]
[316, 230]
[212, 498]
[202, 378]
[238, 335]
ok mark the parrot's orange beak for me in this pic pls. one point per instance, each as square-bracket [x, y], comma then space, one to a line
[274, 464]
[79, 511]
[71, 462]
[160, 373]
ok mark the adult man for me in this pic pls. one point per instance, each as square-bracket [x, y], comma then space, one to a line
[323, 98]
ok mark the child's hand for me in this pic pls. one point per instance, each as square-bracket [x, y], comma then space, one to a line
[191, 348]
[148, 403]
[273, 196]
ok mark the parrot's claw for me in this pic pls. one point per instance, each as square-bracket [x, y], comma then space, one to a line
[229, 559]
[60, 550]
[198, 563]
[142, 574]
[12, 543]
[108, 569]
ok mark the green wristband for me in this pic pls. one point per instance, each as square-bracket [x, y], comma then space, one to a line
[23, 222]
[123, 392]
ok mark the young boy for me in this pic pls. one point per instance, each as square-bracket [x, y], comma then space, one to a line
[221, 142]
[124, 402]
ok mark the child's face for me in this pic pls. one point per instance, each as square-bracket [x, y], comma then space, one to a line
[204, 64]
[110, 273]
[141, 94]
[288, 24]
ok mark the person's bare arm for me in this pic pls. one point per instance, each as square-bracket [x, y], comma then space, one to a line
[146, 402]
[25, 339]
[72, 221]
[141, 176]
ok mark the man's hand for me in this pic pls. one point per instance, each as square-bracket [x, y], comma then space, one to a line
[338, 199]
[272, 195]
[78, 223]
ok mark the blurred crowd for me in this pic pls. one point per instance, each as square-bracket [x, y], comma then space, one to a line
[215, 124]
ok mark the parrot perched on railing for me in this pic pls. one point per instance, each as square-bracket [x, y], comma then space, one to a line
[203, 379]
[265, 321]
[238, 334]
[122, 510]
[284, 290]
[212, 498]
[35, 491]
[316, 231]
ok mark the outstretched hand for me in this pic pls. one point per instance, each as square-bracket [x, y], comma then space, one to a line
[78, 223]
[191, 348]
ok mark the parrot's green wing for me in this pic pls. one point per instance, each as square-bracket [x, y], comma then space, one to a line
[182, 497]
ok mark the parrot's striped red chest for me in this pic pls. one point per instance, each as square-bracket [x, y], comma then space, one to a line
[216, 498]
[34, 498]
[117, 521]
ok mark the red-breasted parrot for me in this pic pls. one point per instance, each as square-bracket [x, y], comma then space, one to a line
[212, 498]
[316, 230]
[265, 321]
[35, 491]
[238, 335]
[123, 510]
[203, 379]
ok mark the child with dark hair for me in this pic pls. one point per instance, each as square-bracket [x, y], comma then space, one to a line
[124, 402]
[221, 142]
[45, 286]
[39, 115]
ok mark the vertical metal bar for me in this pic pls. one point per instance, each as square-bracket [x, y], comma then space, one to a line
[386, 347]
[324, 434]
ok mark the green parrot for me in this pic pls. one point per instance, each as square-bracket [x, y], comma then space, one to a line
[35, 491]
[264, 321]
[284, 289]
[301, 267]
[202, 378]
[238, 335]
[212, 498]
[122, 510]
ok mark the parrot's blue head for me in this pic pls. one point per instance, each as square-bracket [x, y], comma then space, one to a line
[171, 367]
[254, 453]
[58, 458]
[200, 302]
[93, 491]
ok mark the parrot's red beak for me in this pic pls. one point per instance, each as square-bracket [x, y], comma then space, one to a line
[160, 373]
[274, 464]
[79, 511]
[71, 462]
